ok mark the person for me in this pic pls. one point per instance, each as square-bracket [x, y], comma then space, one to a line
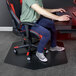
[31, 12]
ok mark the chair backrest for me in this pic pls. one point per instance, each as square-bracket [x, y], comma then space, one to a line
[14, 7]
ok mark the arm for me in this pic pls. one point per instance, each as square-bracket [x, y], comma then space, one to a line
[51, 10]
[56, 10]
[47, 14]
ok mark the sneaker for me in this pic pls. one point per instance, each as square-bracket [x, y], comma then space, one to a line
[57, 48]
[41, 57]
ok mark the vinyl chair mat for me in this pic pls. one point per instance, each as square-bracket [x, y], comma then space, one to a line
[54, 58]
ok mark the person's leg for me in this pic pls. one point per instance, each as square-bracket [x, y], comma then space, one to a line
[45, 38]
[49, 24]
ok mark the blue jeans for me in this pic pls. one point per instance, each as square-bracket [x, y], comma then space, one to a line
[46, 28]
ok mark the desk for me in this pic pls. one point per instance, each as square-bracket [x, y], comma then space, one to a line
[65, 29]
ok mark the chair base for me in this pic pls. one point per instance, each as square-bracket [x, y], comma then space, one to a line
[54, 58]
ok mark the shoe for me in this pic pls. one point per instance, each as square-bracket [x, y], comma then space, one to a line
[57, 48]
[41, 57]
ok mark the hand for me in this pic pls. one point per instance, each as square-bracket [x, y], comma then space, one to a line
[64, 18]
[60, 10]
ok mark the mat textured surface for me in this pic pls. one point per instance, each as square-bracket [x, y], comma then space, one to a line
[54, 58]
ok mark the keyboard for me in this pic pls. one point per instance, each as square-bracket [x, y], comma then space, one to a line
[69, 11]
[63, 13]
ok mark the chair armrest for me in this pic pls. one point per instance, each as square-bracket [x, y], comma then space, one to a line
[28, 23]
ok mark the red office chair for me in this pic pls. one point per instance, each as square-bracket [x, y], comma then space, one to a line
[14, 7]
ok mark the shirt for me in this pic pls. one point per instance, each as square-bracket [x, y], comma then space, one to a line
[28, 14]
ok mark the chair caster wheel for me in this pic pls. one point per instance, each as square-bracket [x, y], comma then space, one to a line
[15, 51]
[47, 51]
[28, 58]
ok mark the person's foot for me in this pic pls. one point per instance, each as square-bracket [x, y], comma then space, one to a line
[57, 48]
[41, 57]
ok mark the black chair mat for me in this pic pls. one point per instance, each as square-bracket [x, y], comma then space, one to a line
[54, 58]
